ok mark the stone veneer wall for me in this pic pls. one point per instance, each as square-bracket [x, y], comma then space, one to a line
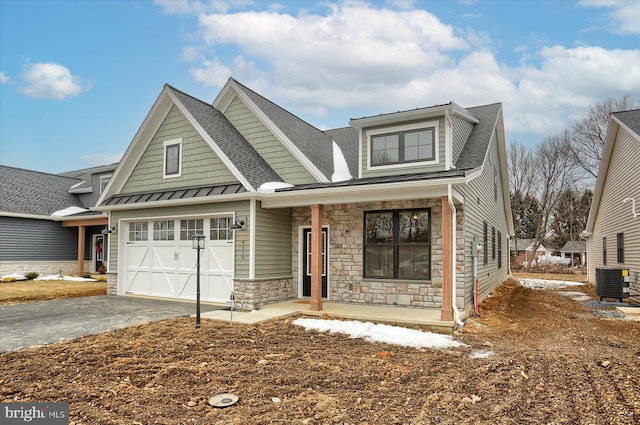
[251, 294]
[112, 283]
[44, 268]
[346, 283]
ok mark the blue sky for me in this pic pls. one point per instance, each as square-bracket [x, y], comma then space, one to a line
[77, 78]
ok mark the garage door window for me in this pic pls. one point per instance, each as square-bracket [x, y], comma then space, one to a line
[163, 230]
[220, 230]
[188, 228]
[139, 231]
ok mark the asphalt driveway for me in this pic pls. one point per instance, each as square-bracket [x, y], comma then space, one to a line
[46, 322]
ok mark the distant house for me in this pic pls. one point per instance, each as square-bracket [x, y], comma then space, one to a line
[388, 211]
[46, 225]
[522, 251]
[576, 250]
[613, 227]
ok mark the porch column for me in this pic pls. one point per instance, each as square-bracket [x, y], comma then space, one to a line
[81, 249]
[446, 313]
[316, 258]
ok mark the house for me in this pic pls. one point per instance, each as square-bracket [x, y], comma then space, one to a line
[576, 250]
[522, 251]
[45, 222]
[388, 211]
[613, 226]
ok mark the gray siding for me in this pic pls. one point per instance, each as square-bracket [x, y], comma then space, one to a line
[267, 145]
[480, 206]
[200, 165]
[615, 217]
[23, 239]
[460, 130]
[273, 242]
[440, 140]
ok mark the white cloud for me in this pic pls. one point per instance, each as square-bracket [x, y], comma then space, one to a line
[50, 80]
[344, 60]
[624, 14]
[97, 159]
[4, 78]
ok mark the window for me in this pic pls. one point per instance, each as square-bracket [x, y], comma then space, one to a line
[139, 231]
[499, 250]
[604, 251]
[172, 158]
[163, 230]
[188, 228]
[495, 184]
[620, 247]
[485, 245]
[104, 180]
[403, 147]
[493, 243]
[219, 230]
[397, 244]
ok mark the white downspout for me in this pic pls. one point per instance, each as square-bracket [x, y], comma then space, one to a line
[456, 312]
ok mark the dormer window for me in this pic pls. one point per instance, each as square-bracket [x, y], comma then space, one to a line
[397, 146]
[172, 158]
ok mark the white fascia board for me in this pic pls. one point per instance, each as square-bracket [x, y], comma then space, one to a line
[364, 193]
[610, 141]
[138, 145]
[398, 117]
[360, 153]
[31, 216]
[177, 202]
[212, 144]
[448, 142]
[288, 144]
[461, 112]
[80, 191]
[504, 171]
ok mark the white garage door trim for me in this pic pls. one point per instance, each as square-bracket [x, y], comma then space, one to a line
[154, 265]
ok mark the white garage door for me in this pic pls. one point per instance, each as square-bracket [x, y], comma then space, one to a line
[160, 261]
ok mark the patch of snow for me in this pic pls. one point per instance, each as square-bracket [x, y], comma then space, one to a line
[381, 333]
[481, 354]
[78, 184]
[538, 284]
[15, 276]
[68, 278]
[68, 211]
[577, 296]
[340, 168]
[272, 186]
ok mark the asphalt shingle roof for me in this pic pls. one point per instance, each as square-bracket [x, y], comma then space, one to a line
[474, 151]
[246, 159]
[631, 119]
[32, 192]
[312, 142]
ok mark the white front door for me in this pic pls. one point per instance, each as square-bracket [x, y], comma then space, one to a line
[160, 261]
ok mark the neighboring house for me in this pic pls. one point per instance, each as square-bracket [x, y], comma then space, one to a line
[384, 212]
[522, 251]
[46, 225]
[613, 227]
[576, 250]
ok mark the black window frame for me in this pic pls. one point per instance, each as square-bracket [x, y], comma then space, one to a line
[401, 147]
[499, 249]
[620, 247]
[396, 244]
[493, 243]
[171, 172]
[604, 251]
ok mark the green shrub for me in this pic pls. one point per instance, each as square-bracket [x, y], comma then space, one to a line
[31, 275]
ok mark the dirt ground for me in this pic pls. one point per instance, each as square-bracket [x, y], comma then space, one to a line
[532, 357]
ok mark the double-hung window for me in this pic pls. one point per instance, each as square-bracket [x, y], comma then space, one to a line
[620, 247]
[397, 244]
[172, 158]
[401, 147]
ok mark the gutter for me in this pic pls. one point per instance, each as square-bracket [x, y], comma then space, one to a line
[456, 312]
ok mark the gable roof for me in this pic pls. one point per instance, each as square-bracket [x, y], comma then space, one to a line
[311, 146]
[630, 122]
[475, 149]
[574, 246]
[33, 193]
[239, 151]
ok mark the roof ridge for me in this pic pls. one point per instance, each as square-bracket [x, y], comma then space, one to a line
[189, 95]
[276, 105]
[40, 172]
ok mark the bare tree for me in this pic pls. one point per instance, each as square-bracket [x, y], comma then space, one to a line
[589, 133]
[521, 169]
[555, 169]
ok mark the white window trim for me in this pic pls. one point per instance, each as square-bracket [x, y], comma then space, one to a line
[103, 186]
[164, 158]
[407, 127]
